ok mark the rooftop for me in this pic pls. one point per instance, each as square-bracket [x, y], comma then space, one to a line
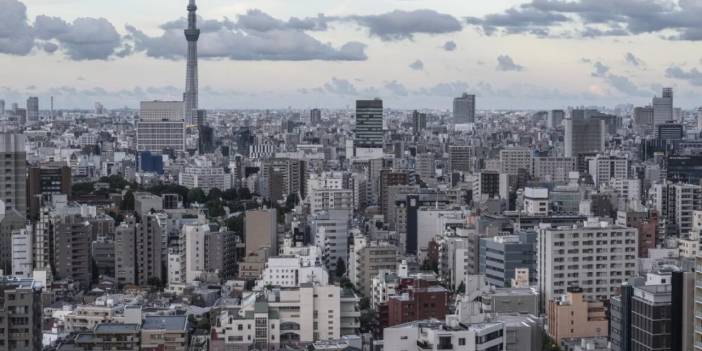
[114, 328]
[175, 323]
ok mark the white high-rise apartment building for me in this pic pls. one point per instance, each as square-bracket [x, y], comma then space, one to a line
[331, 232]
[205, 178]
[698, 302]
[193, 254]
[629, 190]
[161, 126]
[22, 264]
[555, 169]
[595, 256]
[451, 335]
[536, 201]
[688, 199]
[273, 318]
[294, 271]
[603, 168]
[326, 191]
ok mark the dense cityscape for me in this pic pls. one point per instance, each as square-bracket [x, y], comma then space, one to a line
[168, 226]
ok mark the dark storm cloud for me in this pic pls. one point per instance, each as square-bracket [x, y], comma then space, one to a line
[599, 18]
[505, 63]
[399, 25]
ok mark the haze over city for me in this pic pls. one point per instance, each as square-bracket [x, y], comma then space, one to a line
[513, 54]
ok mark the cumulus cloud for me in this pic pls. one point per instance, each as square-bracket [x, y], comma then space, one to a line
[399, 25]
[601, 70]
[340, 87]
[50, 47]
[255, 36]
[620, 83]
[692, 76]
[523, 19]
[397, 88]
[505, 63]
[258, 20]
[417, 65]
[593, 18]
[446, 89]
[633, 60]
[84, 39]
[16, 37]
[626, 86]
[450, 45]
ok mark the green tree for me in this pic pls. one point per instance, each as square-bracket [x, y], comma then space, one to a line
[230, 195]
[346, 284]
[127, 203]
[83, 188]
[196, 195]
[461, 288]
[215, 208]
[369, 319]
[155, 283]
[549, 344]
[214, 194]
[291, 201]
[235, 224]
[429, 265]
[340, 267]
[245, 194]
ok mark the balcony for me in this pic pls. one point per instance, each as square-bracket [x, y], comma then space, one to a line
[424, 345]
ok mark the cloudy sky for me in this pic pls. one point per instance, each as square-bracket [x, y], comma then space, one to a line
[327, 53]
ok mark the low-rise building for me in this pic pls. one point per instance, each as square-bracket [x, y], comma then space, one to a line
[164, 333]
[437, 335]
[571, 316]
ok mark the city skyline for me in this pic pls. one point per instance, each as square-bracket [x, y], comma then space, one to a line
[413, 54]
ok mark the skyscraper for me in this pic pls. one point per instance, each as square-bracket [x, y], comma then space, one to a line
[14, 181]
[190, 97]
[315, 117]
[368, 133]
[2, 108]
[464, 109]
[160, 126]
[32, 109]
[584, 135]
[555, 118]
[663, 107]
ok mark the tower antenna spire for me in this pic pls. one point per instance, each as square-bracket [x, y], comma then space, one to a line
[190, 97]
